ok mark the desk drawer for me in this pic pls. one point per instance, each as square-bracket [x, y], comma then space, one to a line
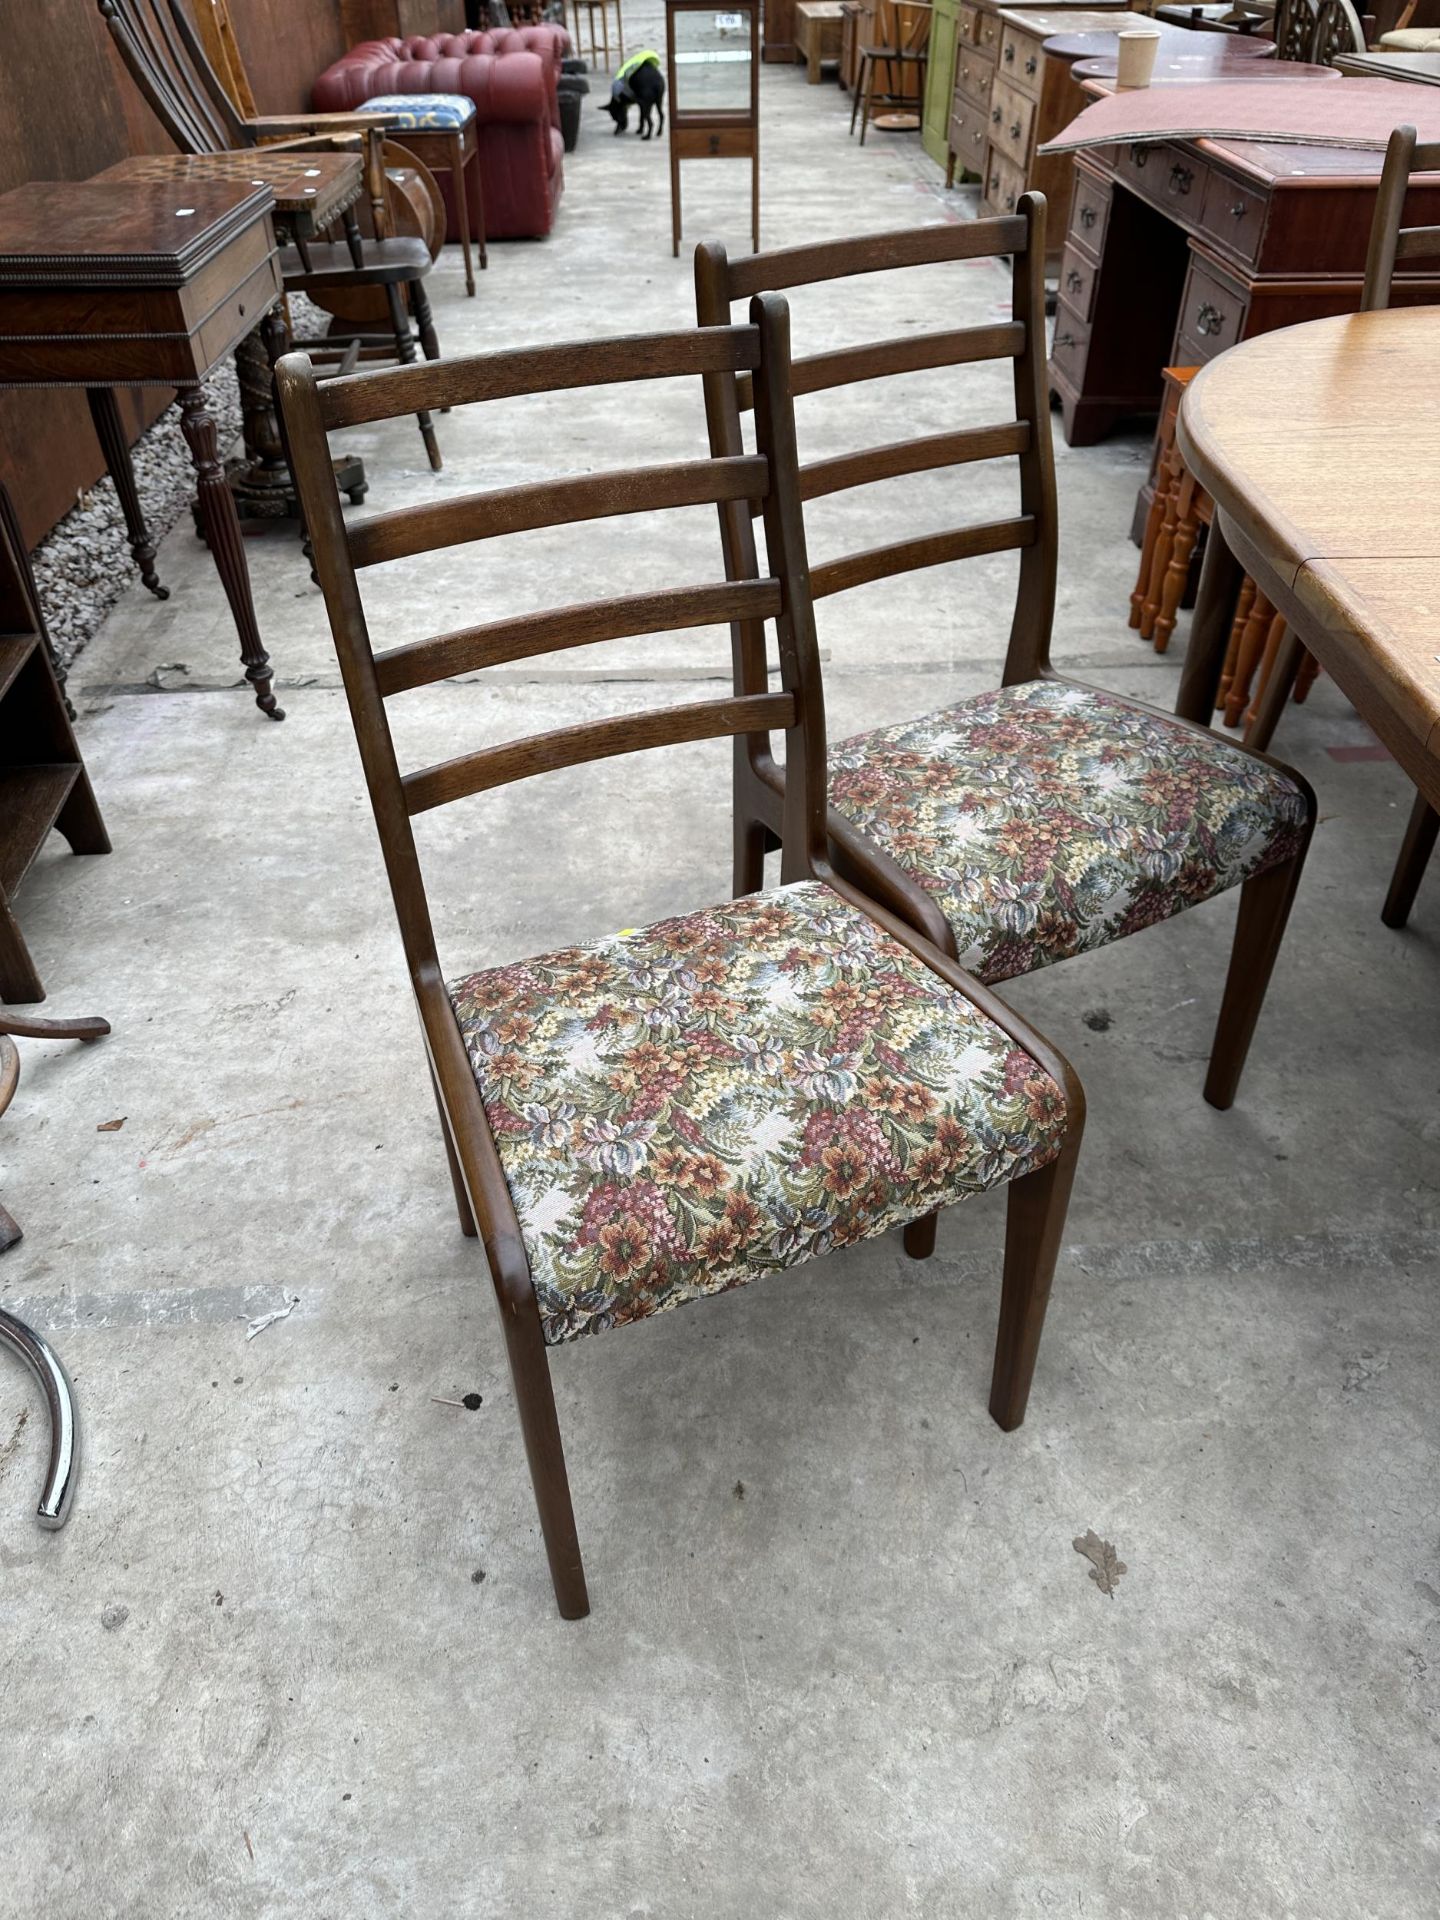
[1212, 316]
[1019, 61]
[241, 313]
[1004, 182]
[1166, 176]
[987, 33]
[1070, 345]
[967, 25]
[1012, 116]
[974, 70]
[1078, 274]
[1234, 216]
[969, 135]
[1089, 213]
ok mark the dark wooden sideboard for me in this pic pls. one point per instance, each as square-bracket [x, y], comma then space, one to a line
[1175, 252]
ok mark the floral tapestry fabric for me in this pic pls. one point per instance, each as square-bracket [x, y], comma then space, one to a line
[685, 1107]
[1047, 818]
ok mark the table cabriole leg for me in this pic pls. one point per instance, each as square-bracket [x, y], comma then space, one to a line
[222, 534]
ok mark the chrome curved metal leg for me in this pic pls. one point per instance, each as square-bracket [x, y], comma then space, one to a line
[59, 1489]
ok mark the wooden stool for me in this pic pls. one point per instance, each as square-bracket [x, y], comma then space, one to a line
[591, 7]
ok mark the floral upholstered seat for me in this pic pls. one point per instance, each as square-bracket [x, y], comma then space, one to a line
[682, 1108]
[1049, 818]
[423, 110]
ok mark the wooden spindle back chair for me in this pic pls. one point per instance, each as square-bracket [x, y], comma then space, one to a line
[928, 873]
[165, 56]
[768, 478]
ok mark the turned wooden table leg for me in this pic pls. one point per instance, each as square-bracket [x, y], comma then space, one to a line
[110, 432]
[222, 534]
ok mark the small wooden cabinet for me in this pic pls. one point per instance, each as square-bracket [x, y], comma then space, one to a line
[1032, 97]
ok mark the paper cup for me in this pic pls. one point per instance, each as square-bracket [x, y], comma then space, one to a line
[1138, 47]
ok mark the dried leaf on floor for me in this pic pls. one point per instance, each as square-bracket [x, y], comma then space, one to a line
[1106, 1566]
[112, 1126]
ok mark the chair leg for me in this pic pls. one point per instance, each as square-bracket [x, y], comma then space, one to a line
[1252, 644]
[405, 348]
[457, 1179]
[1177, 571]
[1160, 558]
[424, 320]
[859, 94]
[1034, 1227]
[1265, 901]
[1243, 604]
[1153, 521]
[918, 1239]
[1415, 852]
[540, 1428]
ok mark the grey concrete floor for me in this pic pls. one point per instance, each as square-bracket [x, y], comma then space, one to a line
[296, 1652]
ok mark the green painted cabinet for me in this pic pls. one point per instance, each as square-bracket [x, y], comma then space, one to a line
[940, 80]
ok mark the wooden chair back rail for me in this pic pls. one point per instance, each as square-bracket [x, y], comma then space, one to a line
[357, 399]
[593, 740]
[924, 455]
[878, 359]
[172, 80]
[873, 253]
[422, 662]
[1389, 241]
[929, 550]
[719, 282]
[550, 503]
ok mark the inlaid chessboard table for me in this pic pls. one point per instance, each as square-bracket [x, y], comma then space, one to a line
[133, 283]
[312, 191]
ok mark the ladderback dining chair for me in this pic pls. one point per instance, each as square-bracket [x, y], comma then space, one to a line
[679, 1108]
[166, 58]
[1047, 818]
[1390, 242]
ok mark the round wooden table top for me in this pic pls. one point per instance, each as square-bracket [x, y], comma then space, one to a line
[1320, 445]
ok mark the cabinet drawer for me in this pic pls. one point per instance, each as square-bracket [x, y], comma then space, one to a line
[1168, 176]
[1020, 61]
[1089, 213]
[1078, 274]
[969, 135]
[1070, 345]
[1212, 316]
[967, 24]
[1011, 118]
[987, 32]
[1233, 216]
[974, 70]
[1004, 181]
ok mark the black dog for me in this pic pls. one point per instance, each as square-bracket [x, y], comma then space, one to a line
[641, 83]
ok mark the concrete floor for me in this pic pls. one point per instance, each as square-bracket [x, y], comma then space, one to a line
[296, 1652]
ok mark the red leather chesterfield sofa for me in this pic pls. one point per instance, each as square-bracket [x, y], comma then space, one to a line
[511, 75]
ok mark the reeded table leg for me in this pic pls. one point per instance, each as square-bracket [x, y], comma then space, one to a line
[222, 534]
[116, 449]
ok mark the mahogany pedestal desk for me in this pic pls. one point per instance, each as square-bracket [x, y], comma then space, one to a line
[1175, 252]
[106, 285]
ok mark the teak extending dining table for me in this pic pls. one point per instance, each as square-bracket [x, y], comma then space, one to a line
[1320, 447]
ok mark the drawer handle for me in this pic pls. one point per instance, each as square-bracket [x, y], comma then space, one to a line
[1209, 320]
[1139, 155]
[1239, 210]
[1009, 203]
[995, 115]
[1088, 216]
[1010, 55]
[994, 183]
[1031, 64]
[1074, 281]
[1015, 130]
[1066, 340]
[1181, 179]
